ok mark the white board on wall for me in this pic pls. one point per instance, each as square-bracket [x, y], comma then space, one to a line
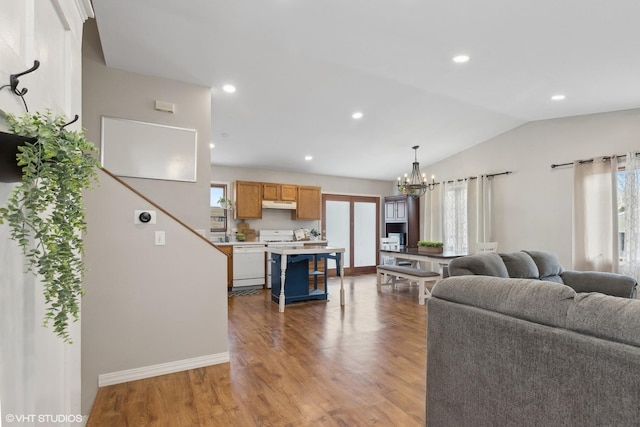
[148, 150]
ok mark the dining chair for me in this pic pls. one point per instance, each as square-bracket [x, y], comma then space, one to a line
[393, 243]
[484, 247]
[390, 243]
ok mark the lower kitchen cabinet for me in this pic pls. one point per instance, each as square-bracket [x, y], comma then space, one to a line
[228, 250]
[305, 278]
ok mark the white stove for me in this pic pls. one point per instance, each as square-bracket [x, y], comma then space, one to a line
[277, 238]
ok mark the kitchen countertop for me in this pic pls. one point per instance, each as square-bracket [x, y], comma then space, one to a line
[296, 250]
[314, 242]
[239, 243]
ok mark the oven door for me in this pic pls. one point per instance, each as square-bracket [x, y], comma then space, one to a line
[248, 266]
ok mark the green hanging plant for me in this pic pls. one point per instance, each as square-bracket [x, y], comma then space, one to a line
[46, 213]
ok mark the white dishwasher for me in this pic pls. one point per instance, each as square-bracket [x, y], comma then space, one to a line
[248, 266]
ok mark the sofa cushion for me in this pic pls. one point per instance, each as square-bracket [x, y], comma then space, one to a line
[548, 265]
[487, 264]
[617, 285]
[527, 299]
[604, 316]
[520, 265]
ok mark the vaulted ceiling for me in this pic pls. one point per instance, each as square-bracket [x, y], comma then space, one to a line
[301, 68]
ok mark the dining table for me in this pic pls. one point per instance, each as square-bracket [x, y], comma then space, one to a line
[420, 256]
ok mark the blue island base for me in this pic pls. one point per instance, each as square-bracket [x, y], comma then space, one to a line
[297, 286]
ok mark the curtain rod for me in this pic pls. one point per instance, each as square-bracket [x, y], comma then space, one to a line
[553, 166]
[489, 175]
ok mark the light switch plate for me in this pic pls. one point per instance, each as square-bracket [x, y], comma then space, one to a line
[160, 238]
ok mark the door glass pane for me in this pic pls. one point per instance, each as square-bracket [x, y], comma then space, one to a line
[364, 234]
[337, 228]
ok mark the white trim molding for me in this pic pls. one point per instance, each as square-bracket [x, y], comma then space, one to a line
[161, 369]
[85, 9]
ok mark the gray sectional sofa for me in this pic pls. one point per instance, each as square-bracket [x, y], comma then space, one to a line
[528, 352]
[542, 266]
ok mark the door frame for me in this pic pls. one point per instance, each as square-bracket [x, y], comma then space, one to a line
[352, 270]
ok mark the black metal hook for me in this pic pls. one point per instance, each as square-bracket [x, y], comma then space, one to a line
[75, 119]
[13, 79]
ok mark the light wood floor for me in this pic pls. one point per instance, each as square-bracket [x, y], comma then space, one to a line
[316, 364]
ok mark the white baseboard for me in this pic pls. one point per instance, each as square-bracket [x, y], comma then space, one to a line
[161, 369]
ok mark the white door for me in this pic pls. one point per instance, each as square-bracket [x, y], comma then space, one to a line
[352, 222]
[40, 373]
[337, 228]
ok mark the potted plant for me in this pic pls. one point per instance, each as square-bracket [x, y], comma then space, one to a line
[240, 237]
[45, 211]
[430, 247]
[225, 203]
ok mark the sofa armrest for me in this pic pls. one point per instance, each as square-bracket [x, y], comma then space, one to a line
[617, 285]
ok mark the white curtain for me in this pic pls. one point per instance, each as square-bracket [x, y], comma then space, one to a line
[595, 212]
[455, 217]
[433, 209]
[630, 216]
[480, 212]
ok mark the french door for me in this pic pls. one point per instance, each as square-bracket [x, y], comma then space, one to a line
[352, 222]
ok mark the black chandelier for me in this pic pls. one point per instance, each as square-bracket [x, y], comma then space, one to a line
[415, 185]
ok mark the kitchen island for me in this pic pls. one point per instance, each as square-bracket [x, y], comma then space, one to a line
[293, 265]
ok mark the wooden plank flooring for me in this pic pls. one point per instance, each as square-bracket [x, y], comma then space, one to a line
[316, 364]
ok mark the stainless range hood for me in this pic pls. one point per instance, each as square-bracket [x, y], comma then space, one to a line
[275, 204]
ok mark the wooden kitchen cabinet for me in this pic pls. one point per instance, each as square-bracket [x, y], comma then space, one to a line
[248, 200]
[402, 216]
[228, 250]
[278, 192]
[395, 209]
[309, 203]
[288, 192]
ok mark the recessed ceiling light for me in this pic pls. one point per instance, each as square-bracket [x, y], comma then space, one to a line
[229, 88]
[211, 145]
[558, 97]
[357, 115]
[307, 158]
[460, 59]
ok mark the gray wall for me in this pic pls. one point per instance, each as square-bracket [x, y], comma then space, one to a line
[144, 304]
[115, 93]
[533, 206]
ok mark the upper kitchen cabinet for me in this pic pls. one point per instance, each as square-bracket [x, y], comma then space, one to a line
[248, 200]
[402, 216]
[309, 206]
[288, 192]
[279, 192]
[395, 209]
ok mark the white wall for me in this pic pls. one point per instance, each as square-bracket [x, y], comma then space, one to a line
[147, 305]
[39, 374]
[533, 205]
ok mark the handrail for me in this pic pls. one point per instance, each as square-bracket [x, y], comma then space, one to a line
[160, 208]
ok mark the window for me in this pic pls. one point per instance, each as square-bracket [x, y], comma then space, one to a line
[218, 211]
